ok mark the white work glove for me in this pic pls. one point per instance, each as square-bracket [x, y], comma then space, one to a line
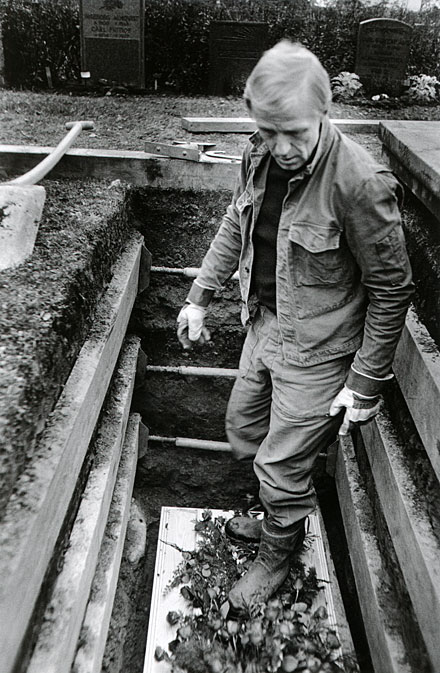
[190, 327]
[358, 408]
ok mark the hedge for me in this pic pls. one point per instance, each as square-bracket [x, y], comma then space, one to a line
[46, 33]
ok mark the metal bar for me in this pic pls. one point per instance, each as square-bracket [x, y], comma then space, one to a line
[42, 169]
[188, 271]
[190, 443]
[194, 371]
[206, 444]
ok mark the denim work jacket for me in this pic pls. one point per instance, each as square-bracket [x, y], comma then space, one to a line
[343, 276]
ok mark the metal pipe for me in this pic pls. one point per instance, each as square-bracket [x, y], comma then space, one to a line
[194, 371]
[188, 271]
[42, 169]
[189, 443]
[206, 444]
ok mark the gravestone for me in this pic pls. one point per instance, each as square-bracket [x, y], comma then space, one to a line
[382, 54]
[234, 49]
[112, 41]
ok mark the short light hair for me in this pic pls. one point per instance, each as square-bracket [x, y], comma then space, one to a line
[283, 74]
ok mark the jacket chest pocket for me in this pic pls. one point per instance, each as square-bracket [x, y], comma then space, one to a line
[317, 256]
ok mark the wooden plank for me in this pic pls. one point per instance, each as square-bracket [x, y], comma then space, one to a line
[61, 625]
[96, 622]
[410, 527]
[247, 125]
[36, 511]
[417, 370]
[416, 145]
[338, 605]
[177, 528]
[138, 168]
[423, 193]
[386, 645]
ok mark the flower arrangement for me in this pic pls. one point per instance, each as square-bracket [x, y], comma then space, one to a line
[283, 635]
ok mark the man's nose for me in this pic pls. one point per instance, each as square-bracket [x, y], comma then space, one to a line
[282, 145]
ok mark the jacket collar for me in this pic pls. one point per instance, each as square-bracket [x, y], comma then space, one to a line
[260, 149]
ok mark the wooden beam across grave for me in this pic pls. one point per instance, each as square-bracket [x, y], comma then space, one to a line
[247, 125]
[137, 168]
[34, 518]
[176, 531]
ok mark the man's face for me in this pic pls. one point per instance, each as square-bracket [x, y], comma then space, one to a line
[291, 138]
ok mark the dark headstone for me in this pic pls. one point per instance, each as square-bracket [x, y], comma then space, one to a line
[382, 54]
[234, 49]
[112, 41]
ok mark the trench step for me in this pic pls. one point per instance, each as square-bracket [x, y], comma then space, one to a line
[58, 635]
[416, 545]
[95, 626]
[177, 533]
[387, 648]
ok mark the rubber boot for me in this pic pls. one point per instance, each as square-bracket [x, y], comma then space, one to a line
[270, 568]
[244, 528]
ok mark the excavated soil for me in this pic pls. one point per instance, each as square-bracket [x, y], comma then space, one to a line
[47, 306]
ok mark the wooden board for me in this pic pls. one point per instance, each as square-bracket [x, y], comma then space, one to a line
[93, 636]
[247, 125]
[386, 645]
[177, 528]
[417, 370]
[410, 527]
[36, 512]
[138, 168]
[416, 145]
[64, 614]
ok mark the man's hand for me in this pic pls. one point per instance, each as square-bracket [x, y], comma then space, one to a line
[190, 327]
[358, 408]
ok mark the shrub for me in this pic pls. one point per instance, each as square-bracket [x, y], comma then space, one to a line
[345, 85]
[46, 33]
[38, 35]
[423, 89]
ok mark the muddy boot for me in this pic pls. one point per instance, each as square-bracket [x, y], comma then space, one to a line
[271, 567]
[244, 528]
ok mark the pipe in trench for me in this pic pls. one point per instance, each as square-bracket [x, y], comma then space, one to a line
[194, 371]
[188, 271]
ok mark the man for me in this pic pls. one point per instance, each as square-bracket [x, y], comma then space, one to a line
[314, 229]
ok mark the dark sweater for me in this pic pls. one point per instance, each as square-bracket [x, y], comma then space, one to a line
[265, 235]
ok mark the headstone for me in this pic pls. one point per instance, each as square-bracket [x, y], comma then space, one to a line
[382, 54]
[234, 49]
[112, 41]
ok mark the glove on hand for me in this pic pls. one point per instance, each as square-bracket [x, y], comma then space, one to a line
[358, 409]
[190, 327]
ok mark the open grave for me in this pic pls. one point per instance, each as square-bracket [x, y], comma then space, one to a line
[114, 437]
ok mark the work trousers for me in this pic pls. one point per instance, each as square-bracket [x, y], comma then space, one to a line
[278, 416]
